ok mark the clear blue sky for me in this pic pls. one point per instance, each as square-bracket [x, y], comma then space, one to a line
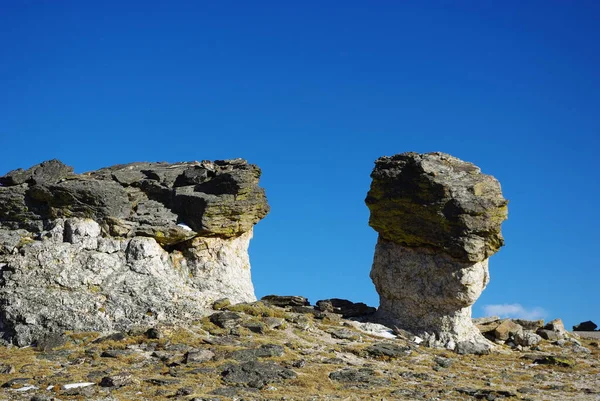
[313, 92]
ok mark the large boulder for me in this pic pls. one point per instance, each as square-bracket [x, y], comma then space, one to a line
[438, 220]
[123, 246]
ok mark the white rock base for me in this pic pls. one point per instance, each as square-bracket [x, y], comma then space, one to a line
[429, 294]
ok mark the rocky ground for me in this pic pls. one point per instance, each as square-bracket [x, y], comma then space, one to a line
[260, 351]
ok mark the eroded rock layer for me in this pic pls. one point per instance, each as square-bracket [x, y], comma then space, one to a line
[123, 246]
[438, 220]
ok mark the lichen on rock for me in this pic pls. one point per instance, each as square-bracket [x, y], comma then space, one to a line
[438, 220]
[123, 246]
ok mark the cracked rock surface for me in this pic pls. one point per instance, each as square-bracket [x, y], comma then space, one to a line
[438, 220]
[123, 246]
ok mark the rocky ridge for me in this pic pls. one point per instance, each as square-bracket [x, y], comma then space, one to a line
[123, 246]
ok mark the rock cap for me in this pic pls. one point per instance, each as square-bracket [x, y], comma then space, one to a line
[439, 201]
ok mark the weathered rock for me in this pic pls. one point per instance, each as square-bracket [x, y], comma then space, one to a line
[225, 320]
[438, 220]
[436, 200]
[285, 300]
[585, 326]
[117, 380]
[553, 330]
[387, 350]
[507, 329]
[264, 351]
[549, 335]
[345, 308]
[527, 338]
[529, 324]
[256, 374]
[199, 356]
[125, 246]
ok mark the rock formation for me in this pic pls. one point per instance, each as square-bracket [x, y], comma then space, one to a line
[438, 220]
[123, 246]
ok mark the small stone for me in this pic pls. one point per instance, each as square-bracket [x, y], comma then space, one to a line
[443, 362]
[273, 322]
[154, 333]
[264, 351]
[344, 334]
[50, 341]
[256, 374]
[507, 329]
[554, 360]
[345, 308]
[115, 353]
[585, 326]
[198, 356]
[387, 350]
[532, 325]
[17, 381]
[119, 336]
[225, 320]
[117, 380]
[183, 391]
[472, 347]
[557, 326]
[6, 369]
[160, 381]
[221, 303]
[285, 300]
[299, 363]
[255, 327]
[550, 335]
[527, 338]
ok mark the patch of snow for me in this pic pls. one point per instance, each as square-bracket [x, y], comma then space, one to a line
[376, 329]
[185, 227]
[77, 385]
[26, 388]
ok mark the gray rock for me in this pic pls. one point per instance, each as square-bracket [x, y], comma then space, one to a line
[475, 347]
[436, 200]
[264, 351]
[125, 246]
[345, 308]
[527, 338]
[387, 350]
[199, 356]
[549, 335]
[6, 369]
[225, 320]
[117, 380]
[285, 300]
[256, 374]
[443, 362]
[585, 326]
[344, 334]
[507, 330]
[48, 172]
[438, 220]
[529, 324]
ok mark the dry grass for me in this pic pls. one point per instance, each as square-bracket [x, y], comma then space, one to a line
[416, 376]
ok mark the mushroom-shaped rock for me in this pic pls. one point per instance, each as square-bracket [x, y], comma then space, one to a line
[123, 246]
[438, 220]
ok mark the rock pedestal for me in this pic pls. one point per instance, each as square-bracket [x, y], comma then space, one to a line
[438, 220]
[125, 246]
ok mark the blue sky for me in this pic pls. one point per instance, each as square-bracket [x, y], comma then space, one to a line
[313, 92]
